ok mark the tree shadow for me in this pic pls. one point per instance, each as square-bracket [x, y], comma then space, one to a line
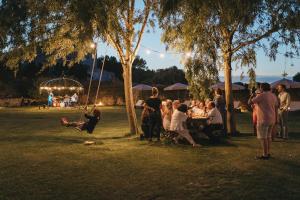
[47, 139]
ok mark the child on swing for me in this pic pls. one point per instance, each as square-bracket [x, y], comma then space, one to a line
[89, 125]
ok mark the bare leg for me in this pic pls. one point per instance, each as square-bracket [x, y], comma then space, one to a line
[187, 136]
[265, 147]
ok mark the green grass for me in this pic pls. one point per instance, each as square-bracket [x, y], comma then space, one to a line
[39, 159]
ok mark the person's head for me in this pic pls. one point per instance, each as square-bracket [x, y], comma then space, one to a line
[281, 88]
[176, 104]
[218, 91]
[211, 105]
[193, 103]
[207, 101]
[265, 87]
[97, 113]
[201, 104]
[169, 104]
[182, 108]
[154, 91]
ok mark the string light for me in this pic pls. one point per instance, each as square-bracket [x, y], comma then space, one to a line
[161, 55]
[93, 45]
[148, 51]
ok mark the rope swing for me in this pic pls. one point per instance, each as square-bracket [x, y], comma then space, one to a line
[91, 79]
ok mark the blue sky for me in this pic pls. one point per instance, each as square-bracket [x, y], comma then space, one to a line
[154, 61]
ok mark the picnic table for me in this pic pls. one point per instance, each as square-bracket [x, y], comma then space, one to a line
[196, 126]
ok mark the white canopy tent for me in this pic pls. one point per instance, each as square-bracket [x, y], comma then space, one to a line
[176, 86]
[142, 87]
[288, 83]
[221, 85]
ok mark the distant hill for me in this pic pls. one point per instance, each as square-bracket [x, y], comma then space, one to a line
[259, 78]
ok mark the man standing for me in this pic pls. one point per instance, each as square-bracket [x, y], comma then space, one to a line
[267, 105]
[284, 104]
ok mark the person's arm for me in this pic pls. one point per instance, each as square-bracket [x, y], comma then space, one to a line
[288, 101]
[88, 116]
[256, 99]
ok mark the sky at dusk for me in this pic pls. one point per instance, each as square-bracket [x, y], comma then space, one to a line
[152, 41]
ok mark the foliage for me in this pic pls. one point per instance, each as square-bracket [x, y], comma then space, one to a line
[252, 78]
[57, 28]
[169, 76]
[296, 77]
[229, 31]
[201, 74]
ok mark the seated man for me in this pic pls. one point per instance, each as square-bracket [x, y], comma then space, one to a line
[178, 125]
[214, 121]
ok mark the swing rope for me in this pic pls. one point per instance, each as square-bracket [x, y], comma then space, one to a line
[90, 83]
[100, 78]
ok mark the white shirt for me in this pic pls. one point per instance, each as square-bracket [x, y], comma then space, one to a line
[214, 116]
[284, 100]
[198, 111]
[178, 118]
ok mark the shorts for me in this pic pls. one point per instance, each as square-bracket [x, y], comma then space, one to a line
[264, 131]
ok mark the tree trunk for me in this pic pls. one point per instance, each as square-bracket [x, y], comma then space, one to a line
[131, 115]
[230, 120]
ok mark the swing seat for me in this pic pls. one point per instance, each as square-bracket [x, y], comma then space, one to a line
[88, 142]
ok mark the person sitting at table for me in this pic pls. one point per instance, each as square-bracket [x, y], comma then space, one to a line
[178, 125]
[199, 110]
[214, 121]
[175, 104]
[167, 115]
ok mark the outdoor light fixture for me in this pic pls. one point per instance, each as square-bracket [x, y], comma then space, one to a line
[188, 54]
[100, 104]
[161, 55]
[148, 51]
[93, 45]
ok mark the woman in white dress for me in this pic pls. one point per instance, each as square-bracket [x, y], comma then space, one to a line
[167, 115]
[178, 125]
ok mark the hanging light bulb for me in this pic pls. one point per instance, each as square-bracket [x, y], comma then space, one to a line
[161, 55]
[148, 51]
[93, 45]
[188, 54]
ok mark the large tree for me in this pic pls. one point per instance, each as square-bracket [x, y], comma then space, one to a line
[127, 23]
[60, 28]
[230, 31]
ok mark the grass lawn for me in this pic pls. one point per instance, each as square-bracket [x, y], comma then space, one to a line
[39, 159]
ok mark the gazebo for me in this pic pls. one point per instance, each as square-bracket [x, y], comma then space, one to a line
[62, 84]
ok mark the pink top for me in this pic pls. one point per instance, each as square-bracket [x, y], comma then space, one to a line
[266, 105]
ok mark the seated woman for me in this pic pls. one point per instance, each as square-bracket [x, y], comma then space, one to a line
[145, 123]
[199, 110]
[89, 125]
[178, 125]
[167, 115]
[214, 122]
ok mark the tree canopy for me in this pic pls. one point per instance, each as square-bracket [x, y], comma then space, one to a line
[229, 31]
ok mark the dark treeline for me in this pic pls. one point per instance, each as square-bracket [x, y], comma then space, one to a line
[25, 81]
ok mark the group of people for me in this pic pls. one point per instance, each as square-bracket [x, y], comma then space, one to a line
[65, 101]
[173, 115]
[269, 111]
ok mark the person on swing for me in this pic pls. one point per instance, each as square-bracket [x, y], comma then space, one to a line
[89, 125]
